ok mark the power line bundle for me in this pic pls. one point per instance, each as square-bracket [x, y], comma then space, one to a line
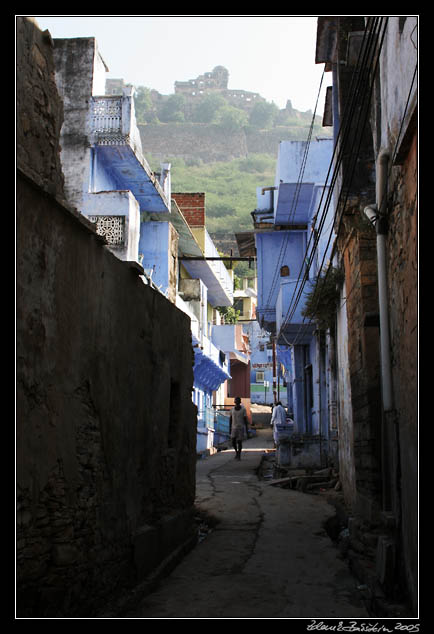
[350, 136]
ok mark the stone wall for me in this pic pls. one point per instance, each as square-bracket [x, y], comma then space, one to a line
[196, 141]
[105, 424]
[105, 421]
[39, 108]
[75, 62]
[209, 143]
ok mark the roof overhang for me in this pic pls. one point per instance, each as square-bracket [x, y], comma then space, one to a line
[134, 174]
[217, 294]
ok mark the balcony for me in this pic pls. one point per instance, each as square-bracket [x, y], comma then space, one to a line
[212, 272]
[117, 153]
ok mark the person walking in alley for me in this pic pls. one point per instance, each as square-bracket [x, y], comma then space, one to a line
[238, 426]
[278, 417]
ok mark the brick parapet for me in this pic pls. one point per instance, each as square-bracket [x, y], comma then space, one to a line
[192, 206]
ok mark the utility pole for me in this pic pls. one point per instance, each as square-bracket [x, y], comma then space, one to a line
[273, 340]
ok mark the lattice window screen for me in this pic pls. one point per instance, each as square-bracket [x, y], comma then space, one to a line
[111, 227]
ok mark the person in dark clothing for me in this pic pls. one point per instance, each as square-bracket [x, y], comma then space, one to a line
[238, 426]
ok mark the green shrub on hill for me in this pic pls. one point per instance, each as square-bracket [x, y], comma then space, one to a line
[230, 188]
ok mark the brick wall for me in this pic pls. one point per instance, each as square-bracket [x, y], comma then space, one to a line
[357, 243]
[403, 302]
[192, 207]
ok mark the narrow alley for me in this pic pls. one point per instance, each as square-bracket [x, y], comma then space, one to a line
[201, 266]
[267, 556]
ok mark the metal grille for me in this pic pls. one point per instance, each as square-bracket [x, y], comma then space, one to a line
[111, 227]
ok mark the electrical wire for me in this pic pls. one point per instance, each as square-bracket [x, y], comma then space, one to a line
[344, 131]
[367, 67]
[390, 168]
[356, 154]
[295, 199]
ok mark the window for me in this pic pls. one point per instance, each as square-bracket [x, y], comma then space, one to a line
[260, 377]
[239, 305]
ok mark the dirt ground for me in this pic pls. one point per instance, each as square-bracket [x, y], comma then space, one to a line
[263, 551]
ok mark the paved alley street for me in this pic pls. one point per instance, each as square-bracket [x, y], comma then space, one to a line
[267, 557]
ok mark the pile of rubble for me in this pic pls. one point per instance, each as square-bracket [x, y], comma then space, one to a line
[309, 481]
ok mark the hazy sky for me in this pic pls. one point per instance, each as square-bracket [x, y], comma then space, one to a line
[273, 55]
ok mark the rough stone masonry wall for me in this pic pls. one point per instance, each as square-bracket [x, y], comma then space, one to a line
[105, 420]
[39, 108]
[195, 141]
[105, 424]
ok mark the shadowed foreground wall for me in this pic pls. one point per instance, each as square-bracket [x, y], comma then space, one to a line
[106, 428]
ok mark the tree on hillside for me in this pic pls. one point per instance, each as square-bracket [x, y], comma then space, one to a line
[263, 114]
[207, 109]
[143, 105]
[173, 109]
[232, 119]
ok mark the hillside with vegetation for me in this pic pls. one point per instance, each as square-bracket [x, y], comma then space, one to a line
[216, 148]
[230, 187]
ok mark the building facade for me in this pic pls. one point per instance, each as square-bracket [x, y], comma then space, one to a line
[108, 179]
[290, 256]
[372, 107]
[204, 285]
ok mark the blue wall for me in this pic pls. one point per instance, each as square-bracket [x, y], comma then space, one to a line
[154, 246]
[274, 250]
[102, 176]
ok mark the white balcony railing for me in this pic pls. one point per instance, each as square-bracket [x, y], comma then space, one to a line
[113, 122]
[106, 120]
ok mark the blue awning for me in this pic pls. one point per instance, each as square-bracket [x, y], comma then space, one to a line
[208, 374]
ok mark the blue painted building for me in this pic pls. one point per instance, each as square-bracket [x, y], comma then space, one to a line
[286, 224]
[203, 284]
[109, 181]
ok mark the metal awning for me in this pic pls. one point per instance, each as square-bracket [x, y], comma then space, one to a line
[207, 373]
